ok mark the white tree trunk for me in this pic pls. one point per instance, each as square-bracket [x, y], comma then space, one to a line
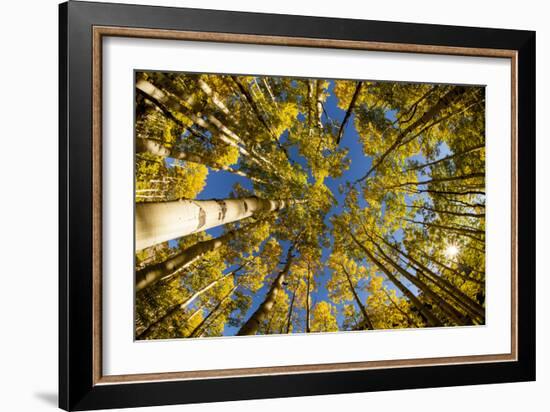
[183, 259]
[319, 104]
[162, 221]
[179, 307]
[253, 323]
[220, 131]
[269, 90]
[214, 97]
[157, 149]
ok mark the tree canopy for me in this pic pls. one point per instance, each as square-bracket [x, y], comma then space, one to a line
[278, 205]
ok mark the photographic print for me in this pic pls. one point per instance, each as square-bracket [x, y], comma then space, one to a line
[284, 205]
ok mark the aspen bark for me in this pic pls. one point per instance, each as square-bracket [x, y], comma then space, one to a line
[290, 309]
[448, 309]
[214, 97]
[182, 305]
[170, 105]
[444, 102]
[156, 148]
[455, 271]
[474, 309]
[431, 319]
[347, 116]
[469, 233]
[310, 112]
[308, 302]
[162, 270]
[266, 84]
[450, 192]
[439, 180]
[252, 324]
[319, 104]
[449, 157]
[259, 115]
[157, 222]
[366, 318]
[449, 212]
[199, 330]
[409, 319]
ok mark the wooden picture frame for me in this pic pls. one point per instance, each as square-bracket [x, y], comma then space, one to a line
[82, 385]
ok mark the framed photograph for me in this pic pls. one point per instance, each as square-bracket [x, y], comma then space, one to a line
[257, 205]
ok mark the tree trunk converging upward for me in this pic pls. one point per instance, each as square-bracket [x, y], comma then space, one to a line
[438, 180]
[214, 97]
[252, 103]
[253, 323]
[260, 116]
[411, 111]
[170, 105]
[449, 192]
[319, 104]
[157, 149]
[472, 309]
[455, 272]
[184, 304]
[449, 212]
[310, 112]
[199, 330]
[220, 105]
[167, 105]
[431, 319]
[463, 300]
[366, 318]
[152, 274]
[396, 306]
[436, 122]
[308, 302]
[467, 304]
[444, 102]
[157, 222]
[449, 157]
[347, 116]
[290, 309]
[268, 88]
[450, 311]
[469, 233]
[162, 270]
[150, 330]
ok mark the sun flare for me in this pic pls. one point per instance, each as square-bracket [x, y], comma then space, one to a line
[451, 251]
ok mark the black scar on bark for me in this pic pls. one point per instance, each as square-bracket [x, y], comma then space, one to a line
[223, 207]
[202, 218]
